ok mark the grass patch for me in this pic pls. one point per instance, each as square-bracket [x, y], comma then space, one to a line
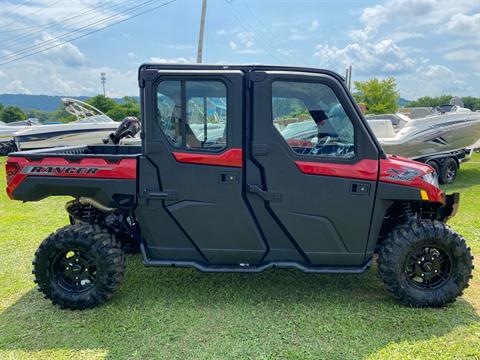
[184, 314]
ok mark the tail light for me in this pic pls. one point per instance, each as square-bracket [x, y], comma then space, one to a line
[11, 170]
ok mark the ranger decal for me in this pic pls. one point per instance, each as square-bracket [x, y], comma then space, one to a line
[61, 170]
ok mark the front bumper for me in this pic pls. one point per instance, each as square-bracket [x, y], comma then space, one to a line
[449, 210]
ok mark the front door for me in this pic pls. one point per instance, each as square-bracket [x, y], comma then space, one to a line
[318, 168]
[193, 145]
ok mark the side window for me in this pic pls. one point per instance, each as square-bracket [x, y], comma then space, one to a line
[311, 119]
[206, 115]
[169, 111]
[205, 109]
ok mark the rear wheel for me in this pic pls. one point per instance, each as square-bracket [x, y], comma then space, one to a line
[425, 264]
[80, 266]
[448, 171]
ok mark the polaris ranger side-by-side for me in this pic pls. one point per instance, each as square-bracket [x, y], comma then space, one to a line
[224, 181]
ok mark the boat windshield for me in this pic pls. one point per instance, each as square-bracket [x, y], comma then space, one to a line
[95, 119]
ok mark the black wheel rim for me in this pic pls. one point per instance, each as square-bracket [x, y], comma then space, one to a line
[74, 270]
[450, 173]
[428, 267]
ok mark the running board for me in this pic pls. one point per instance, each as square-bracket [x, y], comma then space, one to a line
[248, 268]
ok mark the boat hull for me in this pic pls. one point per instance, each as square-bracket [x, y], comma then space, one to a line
[64, 136]
[438, 135]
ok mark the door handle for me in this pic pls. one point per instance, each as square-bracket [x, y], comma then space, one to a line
[265, 195]
[360, 189]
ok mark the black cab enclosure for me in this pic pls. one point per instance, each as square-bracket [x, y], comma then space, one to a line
[244, 168]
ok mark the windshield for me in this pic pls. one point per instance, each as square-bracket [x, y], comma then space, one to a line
[95, 119]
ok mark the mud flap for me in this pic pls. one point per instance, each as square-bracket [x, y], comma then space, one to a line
[450, 208]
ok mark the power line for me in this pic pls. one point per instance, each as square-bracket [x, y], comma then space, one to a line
[76, 16]
[73, 32]
[34, 11]
[251, 31]
[91, 32]
[267, 28]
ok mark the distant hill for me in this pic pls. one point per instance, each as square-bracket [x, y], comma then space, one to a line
[38, 102]
[52, 103]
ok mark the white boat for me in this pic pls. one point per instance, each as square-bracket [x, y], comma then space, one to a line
[7, 144]
[91, 127]
[449, 128]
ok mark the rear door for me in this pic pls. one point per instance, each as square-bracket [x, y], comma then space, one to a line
[193, 143]
[318, 167]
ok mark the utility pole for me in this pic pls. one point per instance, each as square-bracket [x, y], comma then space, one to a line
[103, 79]
[201, 32]
[348, 77]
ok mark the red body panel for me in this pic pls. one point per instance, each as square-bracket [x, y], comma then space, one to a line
[363, 170]
[59, 167]
[393, 169]
[231, 158]
[393, 165]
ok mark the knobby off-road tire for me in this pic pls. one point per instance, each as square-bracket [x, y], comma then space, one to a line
[79, 266]
[411, 253]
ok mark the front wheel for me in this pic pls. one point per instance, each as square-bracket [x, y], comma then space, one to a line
[80, 266]
[425, 264]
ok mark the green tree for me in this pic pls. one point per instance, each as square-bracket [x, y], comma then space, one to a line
[473, 103]
[1, 107]
[129, 107]
[102, 103]
[470, 102]
[12, 113]
[427, 101]
[379, 96]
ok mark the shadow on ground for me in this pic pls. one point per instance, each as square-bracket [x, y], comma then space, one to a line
[180, 313]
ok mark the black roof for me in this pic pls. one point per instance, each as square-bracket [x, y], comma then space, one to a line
[245, 68]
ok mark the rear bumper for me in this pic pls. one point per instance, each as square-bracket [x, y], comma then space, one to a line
[449, 210]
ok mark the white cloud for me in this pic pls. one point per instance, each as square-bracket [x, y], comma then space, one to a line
[463, 55]
[395, 10]
[435, 71]
[462, 24]
[313, 25]
[383, 57]
[3, 75]
[364, 34]
[76, 13]
[178, 60]
[221, 32]
[66, 53]
[297, 37]
[246, 38]
[16, 87]
[404, 35]
[46, 77]
[131, 55]
[243, 42]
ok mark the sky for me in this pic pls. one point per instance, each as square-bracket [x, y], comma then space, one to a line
[431, 47]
